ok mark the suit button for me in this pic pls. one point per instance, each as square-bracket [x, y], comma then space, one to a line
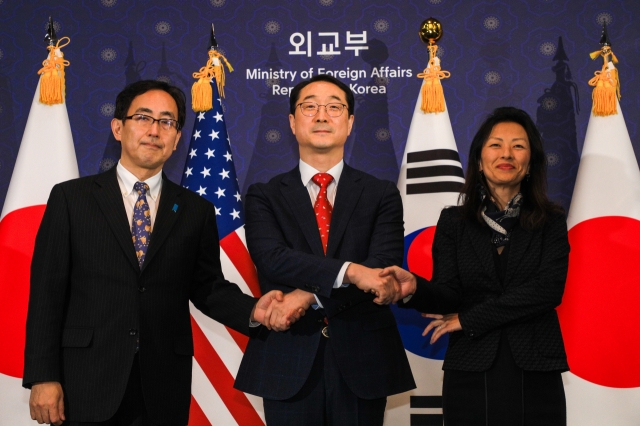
[133, 332]
[141, 289]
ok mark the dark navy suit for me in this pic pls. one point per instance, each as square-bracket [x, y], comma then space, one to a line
[284, 242]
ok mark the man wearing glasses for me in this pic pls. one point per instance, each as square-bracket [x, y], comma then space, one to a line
[117, 259]
[320, 233]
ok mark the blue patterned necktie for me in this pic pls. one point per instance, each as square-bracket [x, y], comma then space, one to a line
[141, 224]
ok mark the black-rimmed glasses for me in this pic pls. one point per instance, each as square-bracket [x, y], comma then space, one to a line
[146, 121]
[311, 108]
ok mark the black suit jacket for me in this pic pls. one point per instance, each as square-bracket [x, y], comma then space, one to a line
[90, 301]
[283, 239]
[465, 281]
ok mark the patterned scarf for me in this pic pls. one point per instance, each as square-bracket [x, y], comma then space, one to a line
[500, 222]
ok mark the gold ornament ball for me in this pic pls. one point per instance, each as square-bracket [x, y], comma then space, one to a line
[430, 30]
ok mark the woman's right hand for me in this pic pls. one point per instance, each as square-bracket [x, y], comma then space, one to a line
[406, 280]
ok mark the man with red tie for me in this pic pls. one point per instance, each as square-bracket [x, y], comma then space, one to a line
[320, 233]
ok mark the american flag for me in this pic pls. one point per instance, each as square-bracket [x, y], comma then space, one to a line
[210, 172]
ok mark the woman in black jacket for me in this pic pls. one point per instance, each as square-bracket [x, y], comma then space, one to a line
[500, 263]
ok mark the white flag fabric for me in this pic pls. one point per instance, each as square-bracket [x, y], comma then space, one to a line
[598, 314]
[46, 157]
[430, 179]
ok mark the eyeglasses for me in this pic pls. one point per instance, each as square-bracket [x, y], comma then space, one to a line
[311, 108]
[146, 122]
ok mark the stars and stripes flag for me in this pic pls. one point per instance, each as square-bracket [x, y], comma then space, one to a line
[598, 314]
[46, 157]
[210, 172]
[430, 179]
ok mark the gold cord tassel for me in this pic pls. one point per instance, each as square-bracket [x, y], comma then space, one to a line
[52, 82]
[432, 92]
[606, 85]
[201, 93]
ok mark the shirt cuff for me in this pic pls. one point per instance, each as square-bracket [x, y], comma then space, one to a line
[318, 304]
[254, 324]
[340, 278]
[336, 284]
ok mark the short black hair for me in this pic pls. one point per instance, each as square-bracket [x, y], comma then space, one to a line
[295, 93]
[129, 93]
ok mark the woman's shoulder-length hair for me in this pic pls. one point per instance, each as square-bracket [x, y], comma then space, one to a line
[536, 207]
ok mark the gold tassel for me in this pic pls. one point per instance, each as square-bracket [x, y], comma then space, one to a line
[432, 92]
[218, 71]
[52, 81]
[201, 93]
[606, 85]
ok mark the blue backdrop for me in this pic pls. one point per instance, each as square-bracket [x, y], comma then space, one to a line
[528, 53]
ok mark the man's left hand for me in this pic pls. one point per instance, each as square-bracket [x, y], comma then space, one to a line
[262, 307]
[273, 302]
[281, 314]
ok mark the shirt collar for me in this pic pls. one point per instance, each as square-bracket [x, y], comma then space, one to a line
[307, 172]
[126, 180]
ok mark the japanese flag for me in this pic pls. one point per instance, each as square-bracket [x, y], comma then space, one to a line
[46, 157]
[599, 311]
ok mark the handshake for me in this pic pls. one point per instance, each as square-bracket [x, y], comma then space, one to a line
[278, 311]
[388, 285]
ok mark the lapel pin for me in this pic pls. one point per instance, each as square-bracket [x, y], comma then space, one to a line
[175, 208]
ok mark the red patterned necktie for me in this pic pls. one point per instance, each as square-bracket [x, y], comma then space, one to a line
[323, 207]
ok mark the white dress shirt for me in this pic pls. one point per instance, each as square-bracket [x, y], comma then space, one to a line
[126, 180]
[306, 174]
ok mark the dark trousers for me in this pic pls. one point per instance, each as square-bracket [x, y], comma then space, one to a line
[132, 410]
[325, 399]
[503, 395]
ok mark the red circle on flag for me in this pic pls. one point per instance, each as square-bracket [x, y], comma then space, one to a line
[18, 232]
[419, 258]
[599, 310]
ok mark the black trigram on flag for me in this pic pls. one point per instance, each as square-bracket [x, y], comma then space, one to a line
[435, 170]
[426, 402]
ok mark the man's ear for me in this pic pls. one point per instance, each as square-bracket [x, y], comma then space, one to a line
[175, 144]
[292, 123]
[116, 128]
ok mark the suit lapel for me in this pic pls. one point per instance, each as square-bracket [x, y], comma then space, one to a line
[349, 191]
[109, 198]
[166, 216]
[297, 197]
[481, 242]
[520, 240]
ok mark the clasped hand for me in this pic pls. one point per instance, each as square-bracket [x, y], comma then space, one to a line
[405, 281]
[385, 287]
[278, 311]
